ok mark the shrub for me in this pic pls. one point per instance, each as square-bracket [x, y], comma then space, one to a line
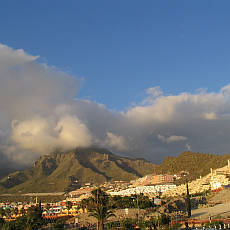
[111, 225]
[127, 224]
[177, 226]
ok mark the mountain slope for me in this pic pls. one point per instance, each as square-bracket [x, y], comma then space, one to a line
[197, 164]
[60, 171]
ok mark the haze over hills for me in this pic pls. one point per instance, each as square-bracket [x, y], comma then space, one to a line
[59, 172]
[6, 166]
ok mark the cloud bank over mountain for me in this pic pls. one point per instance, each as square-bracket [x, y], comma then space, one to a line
[40, 112]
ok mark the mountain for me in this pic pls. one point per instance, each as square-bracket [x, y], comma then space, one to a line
[65, 171]
[197, 164]
[59, 172]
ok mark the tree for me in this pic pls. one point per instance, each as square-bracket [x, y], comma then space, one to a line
[34, 217]
[188, 202]
[58, 225]
[9, 225]
[47, 207]
[85, 204]
[2, 212]
[22, 211]
[151, 223]
[1, 222]
[8, 212]
[15, 211]
[32, 221]
[100, 207]
[127, 223]
[68, 206]
[158, 221]
[164, 219]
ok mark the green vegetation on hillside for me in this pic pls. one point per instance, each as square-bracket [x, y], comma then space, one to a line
[59, 172]
[197, 164]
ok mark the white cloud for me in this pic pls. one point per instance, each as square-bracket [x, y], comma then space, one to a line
[45, 135]
[14, 58]
[30, 95]
[188, 147]
[171, 139]
[115, 141]
[72, 132]
[180, 107]
[225, 90]
[40, 112]
[154, 91]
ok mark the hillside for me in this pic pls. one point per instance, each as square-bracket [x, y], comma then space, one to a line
[65, 171]
[59, 172]
[197, 164]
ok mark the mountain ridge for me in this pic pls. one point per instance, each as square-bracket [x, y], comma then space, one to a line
[197, 164]
[58, 171]
[66, 171]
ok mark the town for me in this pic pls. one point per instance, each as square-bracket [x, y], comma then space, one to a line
[144, 198]
[114, 115]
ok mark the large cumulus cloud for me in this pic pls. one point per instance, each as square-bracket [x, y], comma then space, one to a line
[33, 120]
[40, 112]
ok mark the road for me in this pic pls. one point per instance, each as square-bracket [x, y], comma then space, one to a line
[219, 209]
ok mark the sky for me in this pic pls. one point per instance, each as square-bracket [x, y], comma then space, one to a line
[142, 78]
[120, 48]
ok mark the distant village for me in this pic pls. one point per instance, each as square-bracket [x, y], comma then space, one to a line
[156, 187]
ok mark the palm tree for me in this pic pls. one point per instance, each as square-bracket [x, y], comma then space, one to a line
[84, 204]
[102, 213]
[100, 208]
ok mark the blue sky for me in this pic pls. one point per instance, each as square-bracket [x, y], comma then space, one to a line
[119, 48]
[122, 47]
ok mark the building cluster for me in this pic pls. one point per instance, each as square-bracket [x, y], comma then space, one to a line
[150, 191]
[115, 186]
[62, 210]
[153, 179]
[81, 193]
[50, 210]
[150, 185]
[158, 179]
[215, 180]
